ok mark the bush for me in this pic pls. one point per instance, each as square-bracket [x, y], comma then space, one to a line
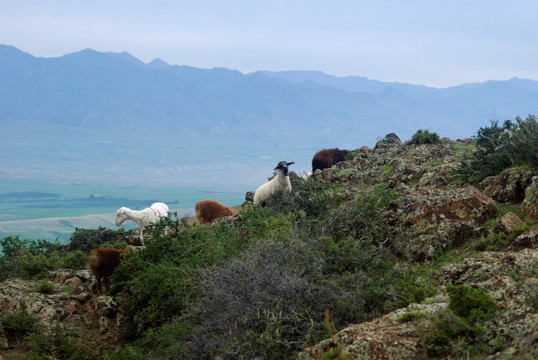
[157, 292]
[274, 298]
[46, 287]
[129, 352]
[501, 147]
[364, 219]
[75, 260]
[26, 258]
[470, 303]
[271, 301]
[11, 245]
[260, 284]
[496, 241]
[18, 323]
[167, 342]
[425, 137]
[463, 327]
[59, 342]
[36, 266]
[88, 239]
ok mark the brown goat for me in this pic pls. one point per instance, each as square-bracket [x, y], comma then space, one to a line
[102, 262]
[327, 158]
[209, 210]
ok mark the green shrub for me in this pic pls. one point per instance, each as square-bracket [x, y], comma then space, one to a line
[463, 327]
[363, 219]
[128, 352]
[75, 260]
[501, 147]
[59, 342]
[496, 241]
[26, 258]
[36, 266]
[309, 198]
[410, 316]
[88, 239]
[157, 292]
[169, 341]
[11, 245]
[18, 323]
[46, 287]
[470, 303]
[425, 137]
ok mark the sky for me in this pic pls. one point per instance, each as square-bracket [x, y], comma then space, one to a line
[429, 42]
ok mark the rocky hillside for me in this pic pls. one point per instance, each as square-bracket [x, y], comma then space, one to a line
[459, 238]
[440, 215]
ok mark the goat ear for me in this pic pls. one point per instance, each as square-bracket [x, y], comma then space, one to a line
[291, 163]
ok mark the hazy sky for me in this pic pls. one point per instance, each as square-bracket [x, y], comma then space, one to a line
[436, 43]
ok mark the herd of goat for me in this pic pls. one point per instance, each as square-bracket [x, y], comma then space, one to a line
[103, 261]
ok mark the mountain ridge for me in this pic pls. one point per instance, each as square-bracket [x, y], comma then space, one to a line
[239, 118]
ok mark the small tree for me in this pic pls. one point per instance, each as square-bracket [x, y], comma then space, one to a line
[425, 137]
[501, 147]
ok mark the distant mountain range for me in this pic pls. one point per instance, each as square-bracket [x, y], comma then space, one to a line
[108, 117]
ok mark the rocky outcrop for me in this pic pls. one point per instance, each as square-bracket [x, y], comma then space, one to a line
[436, 213]
[530, 202]
[509, 186]
[73, 303]
[438, 219]
[391, 337]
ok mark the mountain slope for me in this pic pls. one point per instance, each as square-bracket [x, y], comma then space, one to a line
[178, 115]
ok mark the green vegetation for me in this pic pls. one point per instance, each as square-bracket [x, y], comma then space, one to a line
[46, 287]
[18, 324]
[274, 280]
[500, 147]
[410, 316]
[496, 241]
[463, 328]
[275, 270]
[25, 258]
[29, 259]
[425, 137]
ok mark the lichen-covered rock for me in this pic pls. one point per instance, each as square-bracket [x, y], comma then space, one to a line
[389, 337]
[438, 176]
[389, 141]
[509, 186]
[507, 223]
[383, 338]
[438, 219]
[72, 304]
[434, 205]
[527, 240]
[530, 203]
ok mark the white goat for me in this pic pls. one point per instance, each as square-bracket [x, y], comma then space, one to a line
[144, 217]
[281, 182]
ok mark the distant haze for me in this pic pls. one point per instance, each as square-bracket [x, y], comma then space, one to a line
[110, 118]
[435, 43]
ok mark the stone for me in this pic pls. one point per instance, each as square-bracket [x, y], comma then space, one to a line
[507, 223]
[509, 186]
[390, 140]
[527, 240]
[530, 203]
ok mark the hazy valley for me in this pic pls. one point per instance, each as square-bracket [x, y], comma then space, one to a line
[109, 118]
